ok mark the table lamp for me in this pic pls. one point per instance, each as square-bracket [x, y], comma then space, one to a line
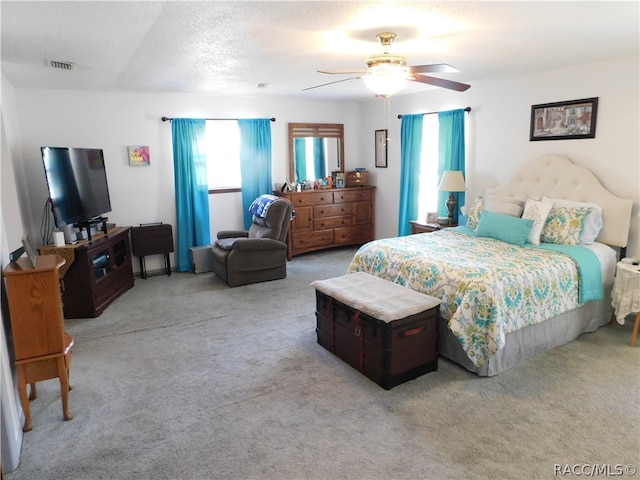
[451, 181]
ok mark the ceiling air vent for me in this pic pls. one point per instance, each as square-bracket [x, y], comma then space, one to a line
[61, 65]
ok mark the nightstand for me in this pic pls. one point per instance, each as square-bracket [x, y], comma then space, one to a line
[625, 296]
[423, 227]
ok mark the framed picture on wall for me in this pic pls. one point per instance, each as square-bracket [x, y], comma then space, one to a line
[564, 120]
[381, 148]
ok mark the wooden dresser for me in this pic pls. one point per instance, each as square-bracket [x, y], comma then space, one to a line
[329, 218]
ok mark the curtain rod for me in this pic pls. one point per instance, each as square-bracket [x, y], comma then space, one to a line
[467, 109]
[164, 119]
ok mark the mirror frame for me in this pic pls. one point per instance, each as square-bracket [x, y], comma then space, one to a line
[321, 130]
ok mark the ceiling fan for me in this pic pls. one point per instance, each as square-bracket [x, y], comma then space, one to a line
[387, 73]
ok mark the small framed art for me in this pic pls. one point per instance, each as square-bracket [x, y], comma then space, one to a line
[139, 156]
[564, 120]
[381, 148]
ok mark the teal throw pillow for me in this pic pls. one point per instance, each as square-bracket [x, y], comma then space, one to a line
[503, 227]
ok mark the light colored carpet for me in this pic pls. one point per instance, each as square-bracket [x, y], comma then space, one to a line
[185, 378]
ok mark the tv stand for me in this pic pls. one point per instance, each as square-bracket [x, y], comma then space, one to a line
[99, 271]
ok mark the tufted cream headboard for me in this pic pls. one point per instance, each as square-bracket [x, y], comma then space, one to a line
[557, 176]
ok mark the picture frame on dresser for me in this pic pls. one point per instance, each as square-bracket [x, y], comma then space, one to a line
[381, 148]
[28, 248]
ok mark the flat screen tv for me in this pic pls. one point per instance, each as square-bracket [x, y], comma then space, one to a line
[77, 183]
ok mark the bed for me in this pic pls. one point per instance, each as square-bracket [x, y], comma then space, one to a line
[504, 299]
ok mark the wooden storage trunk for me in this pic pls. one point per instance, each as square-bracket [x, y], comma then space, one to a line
[357, 179]
[389, 351]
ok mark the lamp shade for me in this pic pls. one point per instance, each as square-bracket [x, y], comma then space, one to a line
[385, 79]
[452, 181]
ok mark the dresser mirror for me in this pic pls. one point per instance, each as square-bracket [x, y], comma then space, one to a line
[315, 150]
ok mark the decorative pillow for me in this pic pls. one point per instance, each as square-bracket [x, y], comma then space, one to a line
[564, 225]
[592, 223]
[538, 211]
[503, 227]
[476, 212]
[507, 205]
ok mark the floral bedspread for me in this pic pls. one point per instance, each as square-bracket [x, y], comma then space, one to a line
[488, 288]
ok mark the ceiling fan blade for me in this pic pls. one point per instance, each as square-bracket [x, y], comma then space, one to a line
[434, 68]
[331, 83]
[341, 72]
[441, 82]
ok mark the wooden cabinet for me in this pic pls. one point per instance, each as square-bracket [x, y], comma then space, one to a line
[100, 271]
[329, 218]
[42, 348]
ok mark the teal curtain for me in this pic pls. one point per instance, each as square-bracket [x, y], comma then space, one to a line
[410, 160]
[451, 155]
[191, 188]
[300, 154]
[255, 161]
[318, 158]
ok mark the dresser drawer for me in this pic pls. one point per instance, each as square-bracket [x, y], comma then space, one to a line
[335, 210]
[352, 196]
[309, 199]
[324, 223]
[353, 235]
[313, 239]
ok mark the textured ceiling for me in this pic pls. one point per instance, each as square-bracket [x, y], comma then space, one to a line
[228, 48]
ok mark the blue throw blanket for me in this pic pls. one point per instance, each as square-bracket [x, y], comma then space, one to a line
[261, 205]
[588, 269]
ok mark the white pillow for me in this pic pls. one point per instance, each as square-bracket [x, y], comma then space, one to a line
[506, 205]
[591, 224]
[538, 211]
[476, 212]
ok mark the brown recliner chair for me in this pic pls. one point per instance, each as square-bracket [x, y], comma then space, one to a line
[256, 255]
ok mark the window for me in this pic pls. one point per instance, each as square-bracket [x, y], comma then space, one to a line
[428, 195]
[222, 140]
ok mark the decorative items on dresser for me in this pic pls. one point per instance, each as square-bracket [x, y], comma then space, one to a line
[41, 345]
[329, 218]
[625, 296]
[357, 178]
[98, 272]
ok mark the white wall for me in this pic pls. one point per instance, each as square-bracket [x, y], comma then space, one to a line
[11, 416]
[112, 121]
[499, 132]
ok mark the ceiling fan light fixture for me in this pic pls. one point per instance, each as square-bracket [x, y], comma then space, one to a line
[386, 79]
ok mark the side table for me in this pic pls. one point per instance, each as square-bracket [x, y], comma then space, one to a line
[625, 296]
[421, 227]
